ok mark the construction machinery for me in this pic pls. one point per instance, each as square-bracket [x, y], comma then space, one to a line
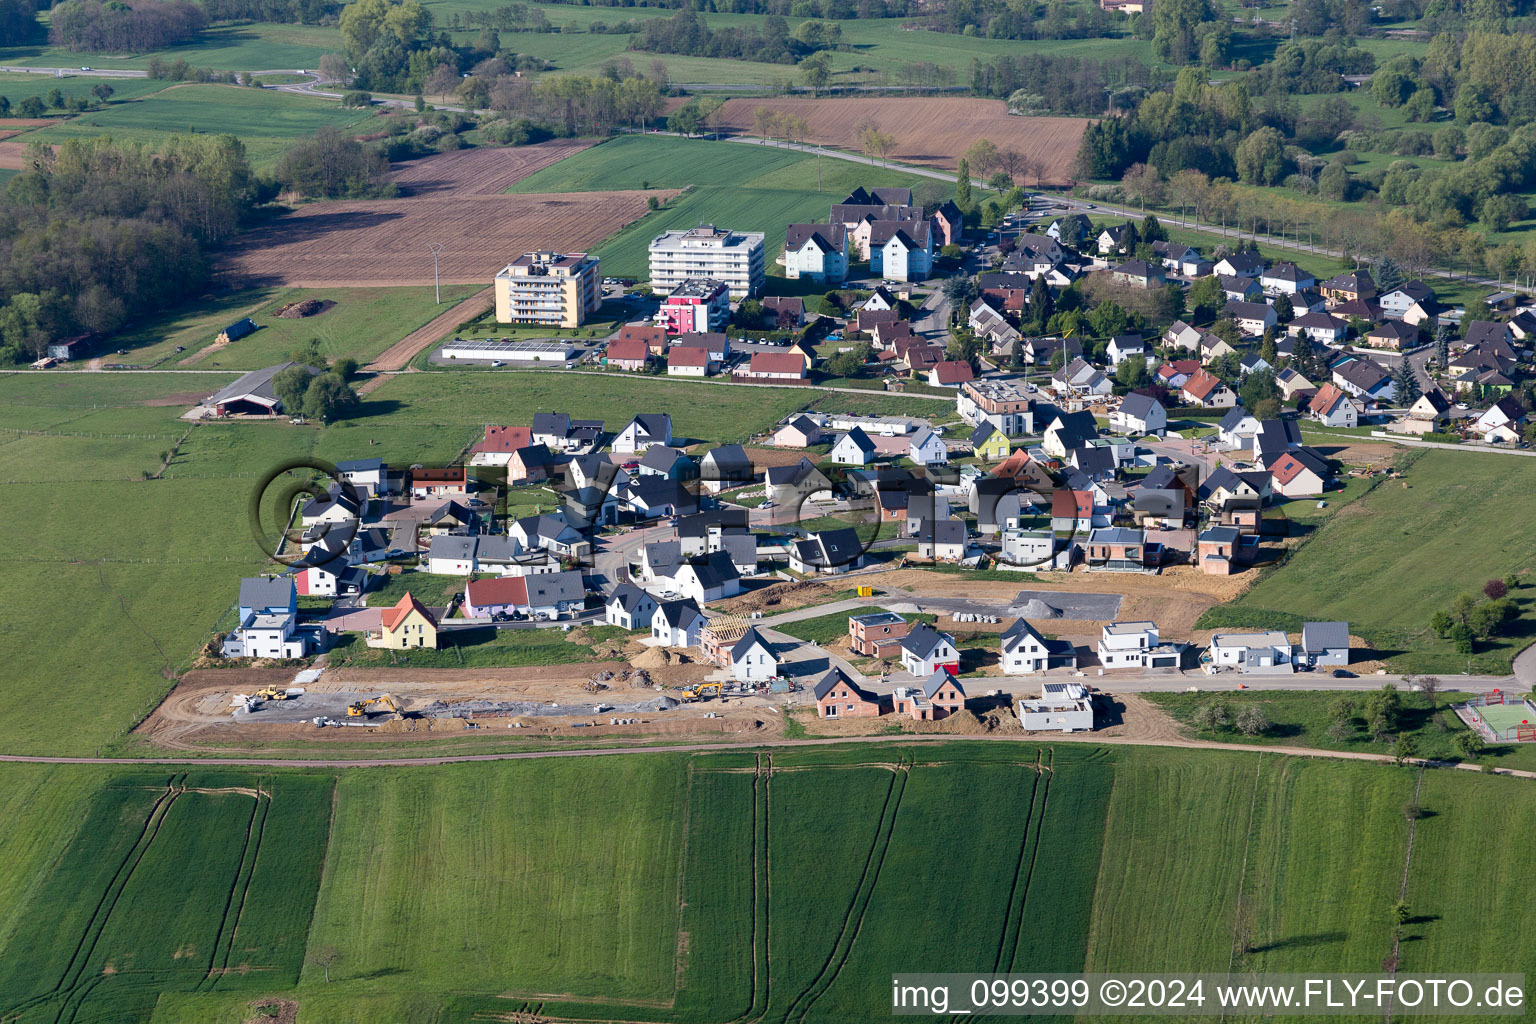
[271, 693]
[703, 691]
[360, 708]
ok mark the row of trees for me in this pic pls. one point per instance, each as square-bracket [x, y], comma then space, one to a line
[687, 33]
[101, 231]
[18, 22]
[1041, 83]
[332, 165]
[117, 27]
[1473, 617]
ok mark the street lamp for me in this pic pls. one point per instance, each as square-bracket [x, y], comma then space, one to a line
[437, 288]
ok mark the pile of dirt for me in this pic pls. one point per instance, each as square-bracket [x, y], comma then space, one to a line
[1038, 609]
[304, 308]
[653, 657]
[779, 597]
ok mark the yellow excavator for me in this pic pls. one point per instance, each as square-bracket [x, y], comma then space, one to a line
[702, 691]
[358, 709]
[272, 693]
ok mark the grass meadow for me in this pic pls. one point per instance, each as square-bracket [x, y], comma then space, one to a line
[693, 888]
[1444, 530]
[360, 323]
[265, 120]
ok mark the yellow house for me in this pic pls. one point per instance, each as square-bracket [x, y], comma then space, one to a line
[990, 443]
[800, 349]
[408, 624]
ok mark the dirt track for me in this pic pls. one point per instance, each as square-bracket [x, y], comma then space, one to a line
[399, 355]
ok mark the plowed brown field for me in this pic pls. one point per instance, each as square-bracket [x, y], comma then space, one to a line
[479, 172]
[456, 199]
[378, 243]
[933, 131]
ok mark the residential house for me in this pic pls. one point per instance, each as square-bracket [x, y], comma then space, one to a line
[796, 484]
[1068, 431]
[629, 607]
[754, 659]
[1112, 238]
[1354, 285]
[787, 312]
[1139, 273]
[799, 432]
[530, 465]
[724, 467]
[677, 623]
[667, 463]
[1062, 707]
[992, 327]
[366, 476]
[1175, 374]
[1122, 549]
[1240, 289]
[1074, 511]
[940, 540]
[1324, 643]
[1332, 407]
[1002, 403]
[1301, 473]
[990, 443]
[643, 431]
[1364, 379]
[925, 651]
[1182, 259]
[1004, 292]
[1206, 389]
[547, 596]
[340, 506]
[1126, 346]
[1259, 651]
[950, 373]
[1429, 413]
[268, 609]
[1285, 279]
[827, 552]
[686, 361]
[1136, 645]
[713, 578]
[1079, 377]
[406, 625]
[940, 696]
[838, 696]
[1276, 436]
[498, 445]
[816, 251]
[783, 367]
[927, 448]
[1213, 346]
[949, 222]
[632, 356]
[1409, 301]
[1252, 318]
[1224, 550]
[877, 634]
[1139, 414]
[653, 335]
[1252, 362]
[853, 449]
[901, 250]
[1240, 264]
[1324, 328]
[1501, 422]
[552, 533]
[1182, 336]
[1025, 651]
[1290, 383]
[1237, 428]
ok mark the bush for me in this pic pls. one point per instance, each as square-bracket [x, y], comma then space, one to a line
[356, 98]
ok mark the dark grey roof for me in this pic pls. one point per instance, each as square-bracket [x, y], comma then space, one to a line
[1097, 459]
[1277, 435]
[923, 640]
[678, 614]
[1018, 631]
[1235, 417]
[1159, 502]
[256, 384]
[628, 597]
[556, 424]
[940, 677]
[751, 638]
[660, 457]
[941, 531]
[860, 439]
[1317, 637]
[552, 587]
[448, 545]
[266, 592]
[833, 677]
[728, 462]
[1138, 405]
[360, 466]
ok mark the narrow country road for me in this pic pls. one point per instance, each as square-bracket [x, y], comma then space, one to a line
[695, 748]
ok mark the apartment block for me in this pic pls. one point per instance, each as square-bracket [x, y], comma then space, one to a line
[550, 288]
[733, 257]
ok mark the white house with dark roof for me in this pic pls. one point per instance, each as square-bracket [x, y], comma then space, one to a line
[643, 431]
[927, 448]
[816, 251]
[1139, 414]
[754, 658]
[1025, 651]
[925, 651]
[1285, 279]
[901, 250]
[677, 623]
[827, 552]
[1324, 643]
[853, 449]
[629, 607]
[1240, 264]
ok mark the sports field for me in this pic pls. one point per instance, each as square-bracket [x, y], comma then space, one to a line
[1504, 719]
[746, 188]
[775, 886]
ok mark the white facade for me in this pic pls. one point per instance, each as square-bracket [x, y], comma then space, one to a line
[734, 257]
[1126, 644]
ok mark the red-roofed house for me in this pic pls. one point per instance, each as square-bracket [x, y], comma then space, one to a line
[786, 366]
[654, 336]
[686, 361]
[1295, 478]
[1333, 408]
[1072, 510]
[628, 355]
[1206, 389]
[499, 444]
[408, 624]
[950, 373]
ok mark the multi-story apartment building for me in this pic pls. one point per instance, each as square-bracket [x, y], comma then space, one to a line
[733, 257]
[1005, 405]
[699, 305]
[551, 288]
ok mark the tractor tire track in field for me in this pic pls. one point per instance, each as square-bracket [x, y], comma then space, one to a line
[73, 990]
[853, 920]
[1013, 920]
[1049, 774]
[757, 1002]
[1402, 889]
[254, 833]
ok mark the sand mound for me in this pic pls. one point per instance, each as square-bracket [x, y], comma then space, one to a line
[652, 657]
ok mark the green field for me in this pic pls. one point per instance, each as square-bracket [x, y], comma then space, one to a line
[746, 188]
[698, 888]
[360, 323]
[17, 87]
[1445, 530]
[265, 120]
[252, 47]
